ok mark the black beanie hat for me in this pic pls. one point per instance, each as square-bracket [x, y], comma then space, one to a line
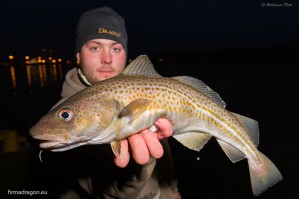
[101, 23]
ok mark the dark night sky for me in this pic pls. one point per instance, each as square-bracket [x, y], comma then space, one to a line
[165, 26]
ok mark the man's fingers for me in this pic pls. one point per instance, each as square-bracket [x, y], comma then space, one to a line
[164, 128]
[153, 144]
[145, 144]
[139, 149]
[122, 160]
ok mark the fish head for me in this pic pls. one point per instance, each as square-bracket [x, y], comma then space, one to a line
[74, 122]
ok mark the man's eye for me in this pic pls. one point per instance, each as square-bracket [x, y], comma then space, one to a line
[94, 48]
[116, 49]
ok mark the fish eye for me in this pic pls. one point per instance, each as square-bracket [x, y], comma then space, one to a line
[65, 115]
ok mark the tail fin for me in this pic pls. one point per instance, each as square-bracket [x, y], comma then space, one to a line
[260, 181]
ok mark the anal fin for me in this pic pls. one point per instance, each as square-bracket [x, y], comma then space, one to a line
[193, 140]
[232, 153]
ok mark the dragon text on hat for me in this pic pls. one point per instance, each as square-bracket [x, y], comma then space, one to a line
[110, 32]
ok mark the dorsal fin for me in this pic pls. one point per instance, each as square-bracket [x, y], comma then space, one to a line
[141, 66]
[251, 126]
[202, 87]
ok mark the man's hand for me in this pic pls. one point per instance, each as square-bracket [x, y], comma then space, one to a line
[144, 144]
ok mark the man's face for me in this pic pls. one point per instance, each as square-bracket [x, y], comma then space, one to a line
[101, 59]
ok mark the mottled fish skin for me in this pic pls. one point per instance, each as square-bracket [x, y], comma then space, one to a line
[118, 107]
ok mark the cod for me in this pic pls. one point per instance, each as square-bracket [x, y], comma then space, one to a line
[113, 109]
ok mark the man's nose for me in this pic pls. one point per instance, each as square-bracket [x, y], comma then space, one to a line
[106, 57]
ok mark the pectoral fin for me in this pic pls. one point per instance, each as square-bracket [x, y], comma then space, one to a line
[134, 109]
[193, 140]
[131, 112]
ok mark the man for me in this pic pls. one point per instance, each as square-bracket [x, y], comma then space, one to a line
[101, 51]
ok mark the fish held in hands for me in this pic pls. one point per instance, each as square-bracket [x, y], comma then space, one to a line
[113, 109]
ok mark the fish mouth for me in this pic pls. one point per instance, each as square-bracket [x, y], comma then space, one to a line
[51, 141]
[57, 143]
[59, 146]
[46, 144]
